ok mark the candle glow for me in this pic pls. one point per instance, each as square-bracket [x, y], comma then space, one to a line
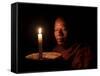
[40, 36]
[40, 30]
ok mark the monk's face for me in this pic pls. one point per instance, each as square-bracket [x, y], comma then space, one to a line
[60, 31]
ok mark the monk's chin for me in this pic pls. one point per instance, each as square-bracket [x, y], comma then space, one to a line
[60, 43]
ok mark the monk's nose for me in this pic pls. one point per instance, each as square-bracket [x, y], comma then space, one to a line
[60, 33]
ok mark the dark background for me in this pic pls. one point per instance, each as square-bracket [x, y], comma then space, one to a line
[83, 29]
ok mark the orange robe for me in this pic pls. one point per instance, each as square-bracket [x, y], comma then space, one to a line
[78, 56]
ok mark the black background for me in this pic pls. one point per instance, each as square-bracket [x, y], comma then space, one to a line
[83, 29]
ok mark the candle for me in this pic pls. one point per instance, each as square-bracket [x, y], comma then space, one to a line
[40, 42]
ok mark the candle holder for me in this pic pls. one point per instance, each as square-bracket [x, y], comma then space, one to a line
[40, 55]
[40, 51]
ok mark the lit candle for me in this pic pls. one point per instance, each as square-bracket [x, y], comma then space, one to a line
[40, 42]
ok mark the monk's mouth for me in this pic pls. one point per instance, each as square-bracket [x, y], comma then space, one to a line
[60, 39]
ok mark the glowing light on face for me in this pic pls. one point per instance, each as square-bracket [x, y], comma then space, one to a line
[60, 31]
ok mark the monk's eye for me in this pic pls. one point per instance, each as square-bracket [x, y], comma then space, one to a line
[56, 30]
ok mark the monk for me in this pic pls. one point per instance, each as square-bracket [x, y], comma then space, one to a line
[78, 56]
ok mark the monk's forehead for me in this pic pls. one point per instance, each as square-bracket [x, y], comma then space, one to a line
[59, 22]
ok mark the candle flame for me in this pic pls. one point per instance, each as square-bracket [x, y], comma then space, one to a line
[40, 30]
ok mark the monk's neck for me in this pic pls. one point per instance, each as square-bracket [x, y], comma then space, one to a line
[62, 46]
